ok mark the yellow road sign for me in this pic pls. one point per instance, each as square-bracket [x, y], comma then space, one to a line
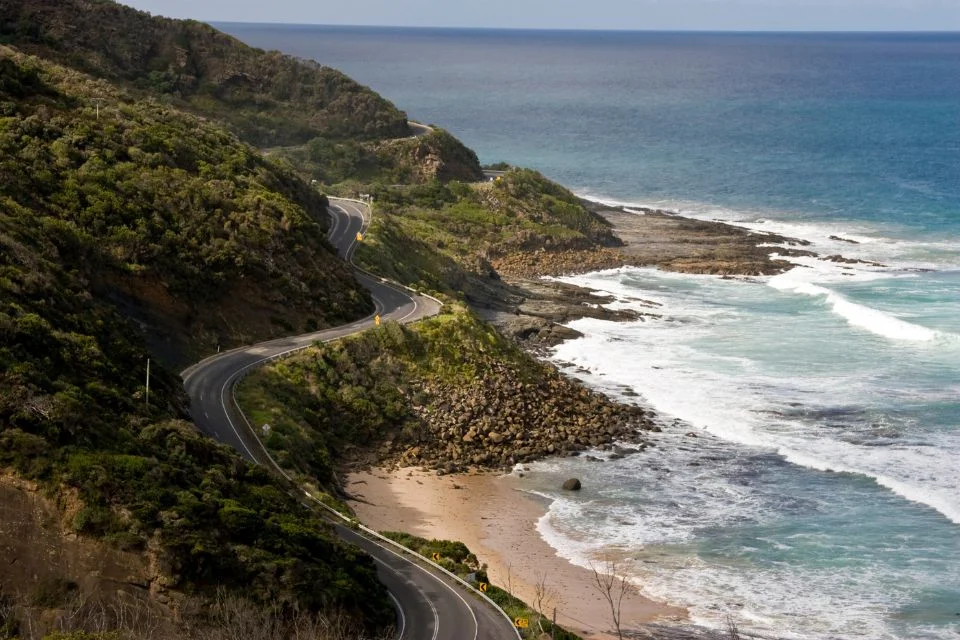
[436, 556]
[521, 623]
[484, 586]
[359, 237]
[376, 321]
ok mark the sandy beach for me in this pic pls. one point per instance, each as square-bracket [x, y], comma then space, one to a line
[498, 523]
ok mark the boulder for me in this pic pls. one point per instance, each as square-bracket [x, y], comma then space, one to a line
[573, 484]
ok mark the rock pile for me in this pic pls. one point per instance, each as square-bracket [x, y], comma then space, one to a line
[504, 418]
[542, 262]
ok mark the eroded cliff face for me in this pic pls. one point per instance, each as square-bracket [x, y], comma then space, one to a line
[49, 574]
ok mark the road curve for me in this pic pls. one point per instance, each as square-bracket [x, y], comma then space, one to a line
[430, 606]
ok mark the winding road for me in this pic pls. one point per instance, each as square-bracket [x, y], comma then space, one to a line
[430, 604]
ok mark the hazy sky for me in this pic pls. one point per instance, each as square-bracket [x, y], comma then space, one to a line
[940, 15]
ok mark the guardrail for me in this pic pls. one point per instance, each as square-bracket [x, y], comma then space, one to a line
[234, 380]
[363, 229]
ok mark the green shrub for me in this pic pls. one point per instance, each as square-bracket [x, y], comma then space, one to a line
[340, 398]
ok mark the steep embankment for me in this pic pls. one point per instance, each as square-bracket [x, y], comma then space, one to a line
[110, 229]
[267, 98]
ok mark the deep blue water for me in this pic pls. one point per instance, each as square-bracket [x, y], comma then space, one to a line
[822, 496]
[818, 125]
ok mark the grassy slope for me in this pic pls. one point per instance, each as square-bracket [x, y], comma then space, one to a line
[191, 230]
[267, 98]
[442, 237]
[84, 204]
[336, 399]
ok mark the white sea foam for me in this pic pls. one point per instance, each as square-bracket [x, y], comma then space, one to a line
[839, 457]
[805, 281]
[700, 390]
[858, 315]
[785, 599]
[680, 381]
[705, 362]
[869, 242]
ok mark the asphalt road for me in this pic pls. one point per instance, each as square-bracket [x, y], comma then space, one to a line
[419, 130]
[430, 605]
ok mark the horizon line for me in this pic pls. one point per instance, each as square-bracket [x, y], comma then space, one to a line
[839, 31]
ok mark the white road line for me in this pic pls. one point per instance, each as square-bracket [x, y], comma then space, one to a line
[403, 618]
[436, 615]
[436, 620]
[476, 626]
[412, 585]
[336, 223]
[228, 386]
[412, 312]
[223, 404]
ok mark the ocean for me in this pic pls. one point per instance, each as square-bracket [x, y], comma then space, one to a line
[807, 480]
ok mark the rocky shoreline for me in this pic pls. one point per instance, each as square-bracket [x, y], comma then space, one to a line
[657, 238]
[509, 414]
[534, 310]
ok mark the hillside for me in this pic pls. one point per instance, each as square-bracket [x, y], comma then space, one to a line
[346, 165]
[460, 238]
[267, 98]
[188, 230]
[110, 230]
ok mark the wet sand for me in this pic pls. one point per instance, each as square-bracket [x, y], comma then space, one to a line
[498, 523]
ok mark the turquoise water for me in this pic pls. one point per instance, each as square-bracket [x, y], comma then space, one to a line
[807, 481]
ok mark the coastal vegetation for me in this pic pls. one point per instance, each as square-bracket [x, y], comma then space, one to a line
[266, 98]
[457, 237]
[349, 166]
[458, 559]
[85, 617]
[165, 214]
[449, 393]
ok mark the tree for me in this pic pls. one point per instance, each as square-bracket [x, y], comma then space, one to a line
[543, 596]
[614, 588]
[508, 579]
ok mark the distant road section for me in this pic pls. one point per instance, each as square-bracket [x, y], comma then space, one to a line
[430, 605]
[419, 130]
